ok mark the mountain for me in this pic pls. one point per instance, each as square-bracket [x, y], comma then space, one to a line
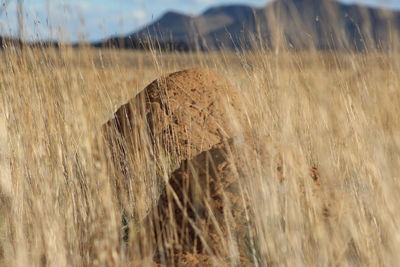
[322, 24]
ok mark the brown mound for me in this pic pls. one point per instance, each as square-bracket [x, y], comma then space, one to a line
[197, 260]
[186, 112]
[193, 260]
[204, 210]
[172, 119]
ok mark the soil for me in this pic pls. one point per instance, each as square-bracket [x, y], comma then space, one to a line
[186, 112]
[205, 210]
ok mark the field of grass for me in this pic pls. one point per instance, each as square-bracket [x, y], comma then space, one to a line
[336, 112]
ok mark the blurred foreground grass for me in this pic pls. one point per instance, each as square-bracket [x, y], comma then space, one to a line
[335, 111]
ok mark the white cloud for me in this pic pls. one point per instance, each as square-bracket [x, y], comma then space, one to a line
[139, 15]
[205, 2]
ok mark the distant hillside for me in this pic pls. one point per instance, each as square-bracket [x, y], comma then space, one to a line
[6, 42]
[324, 24]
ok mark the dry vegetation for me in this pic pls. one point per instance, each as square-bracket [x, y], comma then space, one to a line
[330, 118]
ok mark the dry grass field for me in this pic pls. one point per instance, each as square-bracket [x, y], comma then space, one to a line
[329, 117]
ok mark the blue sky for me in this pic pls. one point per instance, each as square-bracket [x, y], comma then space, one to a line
[71, 20]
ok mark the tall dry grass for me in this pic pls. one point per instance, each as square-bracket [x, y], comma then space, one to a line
[336, 112]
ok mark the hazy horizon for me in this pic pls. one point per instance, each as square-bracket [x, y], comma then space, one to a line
[95, 20]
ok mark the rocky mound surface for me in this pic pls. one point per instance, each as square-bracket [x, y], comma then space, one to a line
[202, 216]
[185, 113]
[204, 212]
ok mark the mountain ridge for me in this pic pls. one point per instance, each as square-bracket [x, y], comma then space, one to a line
[321, 24]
